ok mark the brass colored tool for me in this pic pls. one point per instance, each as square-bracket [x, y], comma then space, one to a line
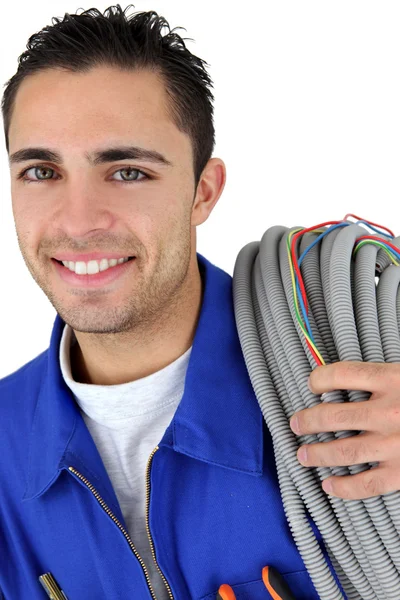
[51, 587]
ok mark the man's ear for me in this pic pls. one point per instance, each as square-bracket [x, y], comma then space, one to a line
[209, 189]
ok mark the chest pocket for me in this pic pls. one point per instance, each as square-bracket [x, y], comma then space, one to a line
[299, 582]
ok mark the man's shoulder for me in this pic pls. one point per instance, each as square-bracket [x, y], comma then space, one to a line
[24, 382]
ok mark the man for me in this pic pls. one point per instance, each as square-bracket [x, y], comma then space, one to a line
[135, 461]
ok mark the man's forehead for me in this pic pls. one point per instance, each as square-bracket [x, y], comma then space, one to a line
[103, 96]
[147, 131]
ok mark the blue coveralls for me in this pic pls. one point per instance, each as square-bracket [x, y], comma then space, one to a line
[214, 508]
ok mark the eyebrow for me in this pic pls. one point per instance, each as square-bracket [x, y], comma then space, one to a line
[94, 158]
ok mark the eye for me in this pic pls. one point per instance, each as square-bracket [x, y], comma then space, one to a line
[134, 171]
[35, 168]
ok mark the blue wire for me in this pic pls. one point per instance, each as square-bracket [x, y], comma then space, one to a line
[374, 229]
[300, 296]
[303, 309]
[314, 243]
[331, 228]
[391, 250]
[319, 238]
[395, 252]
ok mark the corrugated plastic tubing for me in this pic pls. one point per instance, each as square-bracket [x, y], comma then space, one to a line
[352, 318]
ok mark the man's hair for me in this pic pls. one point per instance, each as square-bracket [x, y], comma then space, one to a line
[79, 43]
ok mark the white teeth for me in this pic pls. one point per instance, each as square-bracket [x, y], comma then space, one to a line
[93, 266]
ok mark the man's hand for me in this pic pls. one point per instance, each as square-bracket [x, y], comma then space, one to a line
[378, 418]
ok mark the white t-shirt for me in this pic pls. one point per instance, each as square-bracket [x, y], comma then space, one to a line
[127, 422]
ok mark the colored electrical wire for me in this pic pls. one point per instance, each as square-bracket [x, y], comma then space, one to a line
[297, 280]
[359, 219]
[289, 321]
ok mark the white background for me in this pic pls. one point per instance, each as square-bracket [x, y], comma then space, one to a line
[307, 101]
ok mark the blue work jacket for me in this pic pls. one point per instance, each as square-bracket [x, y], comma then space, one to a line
[214, 509]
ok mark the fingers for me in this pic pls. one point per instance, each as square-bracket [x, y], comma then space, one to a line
[378, 418]
[346, 375]
[374, 482]
[333, 417]
[362, 448]
[380, 415]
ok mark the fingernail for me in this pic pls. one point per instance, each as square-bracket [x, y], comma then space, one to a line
[294, 425]
[327, 486]
[302, 454]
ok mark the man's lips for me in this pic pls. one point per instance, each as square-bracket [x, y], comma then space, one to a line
[96, 280]
[90, 256]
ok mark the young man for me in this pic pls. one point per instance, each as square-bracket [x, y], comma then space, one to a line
[135, 460]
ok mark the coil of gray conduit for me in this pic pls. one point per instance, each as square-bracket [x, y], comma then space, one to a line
[351, 318]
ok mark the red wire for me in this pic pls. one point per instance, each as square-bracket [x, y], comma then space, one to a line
[294, 258]
[370, 222]
[299, 233]
[297, 268]
[317, 360]
[371, 237]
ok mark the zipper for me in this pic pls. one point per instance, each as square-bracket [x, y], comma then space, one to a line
[122, 528]
[148, 524]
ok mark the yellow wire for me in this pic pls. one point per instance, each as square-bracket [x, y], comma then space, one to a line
[295, 295]
[292, 274]
[377, 243]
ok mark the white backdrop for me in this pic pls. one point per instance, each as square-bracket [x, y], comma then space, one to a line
[307, 99]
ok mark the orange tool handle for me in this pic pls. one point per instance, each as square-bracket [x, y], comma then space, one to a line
[276, 584]
[225, 592]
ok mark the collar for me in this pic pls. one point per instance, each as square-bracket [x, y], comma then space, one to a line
[217, 421]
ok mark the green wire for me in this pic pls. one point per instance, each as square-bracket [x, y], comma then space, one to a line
[376, 243]
[296, 306]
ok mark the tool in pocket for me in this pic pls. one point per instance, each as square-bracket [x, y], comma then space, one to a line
[273, 581]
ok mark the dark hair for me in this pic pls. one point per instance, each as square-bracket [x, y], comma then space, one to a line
[79, 43]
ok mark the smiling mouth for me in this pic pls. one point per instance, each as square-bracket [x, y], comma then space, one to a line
[93, 280]
[60, 262]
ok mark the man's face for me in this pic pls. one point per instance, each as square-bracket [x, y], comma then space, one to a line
[76, 207]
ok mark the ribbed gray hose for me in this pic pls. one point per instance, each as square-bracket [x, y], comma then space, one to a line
[351, 318]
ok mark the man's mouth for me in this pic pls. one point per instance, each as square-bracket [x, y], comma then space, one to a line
[83, 267]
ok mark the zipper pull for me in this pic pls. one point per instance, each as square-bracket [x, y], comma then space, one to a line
[51, 587]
